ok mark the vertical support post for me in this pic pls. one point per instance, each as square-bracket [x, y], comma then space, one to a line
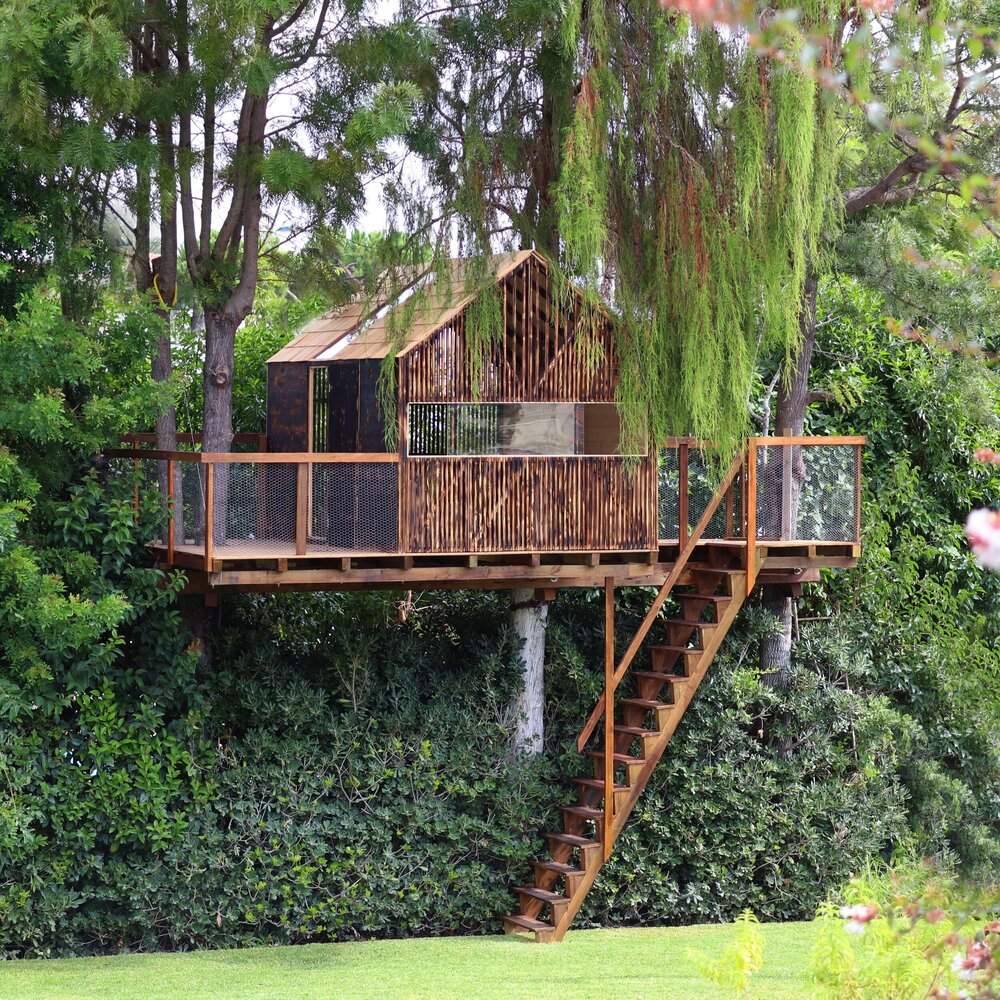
[751, 514]
[209, 512]
[682, 497]
[170, 512]
[857, 493]
[609, 713]
[135, 490]
[301, 506]
[729, 508]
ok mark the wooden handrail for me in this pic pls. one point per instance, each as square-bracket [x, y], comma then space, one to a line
[654, 609]
[264, 457]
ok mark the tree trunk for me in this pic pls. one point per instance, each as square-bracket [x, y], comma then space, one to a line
[528, 618]
[217, 428]
[790, 415]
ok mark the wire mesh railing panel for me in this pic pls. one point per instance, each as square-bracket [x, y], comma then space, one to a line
[703, 482]
[253, 507]
[806, 493]
[668, 487]
[190, 504]
[354, 507]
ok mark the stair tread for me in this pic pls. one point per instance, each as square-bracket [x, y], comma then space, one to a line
[646, 703]
[587, 812]
[560, 868]
[691, 621]
[573, 839]
[678, 649]
[636, 731]
[714, 598]
[657, 675]
[718, 570]
[529, 923]
[536, 892]
[599, 783]
[622, 758]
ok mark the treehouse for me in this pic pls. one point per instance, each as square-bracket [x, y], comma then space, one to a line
[398, 455]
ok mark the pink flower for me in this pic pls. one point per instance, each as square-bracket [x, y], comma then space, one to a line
[857, 917]
[977, 956]
[701, 10]
[983, 532]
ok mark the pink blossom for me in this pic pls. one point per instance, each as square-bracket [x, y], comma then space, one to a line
[701, 10]
[977, 956]
[858, 916]
[983, 532]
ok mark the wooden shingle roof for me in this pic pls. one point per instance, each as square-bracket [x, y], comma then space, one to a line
[364, 329]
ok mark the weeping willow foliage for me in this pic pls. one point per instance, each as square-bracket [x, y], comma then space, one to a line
[695, 183]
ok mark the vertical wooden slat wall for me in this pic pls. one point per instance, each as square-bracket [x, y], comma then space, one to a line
[510, 503]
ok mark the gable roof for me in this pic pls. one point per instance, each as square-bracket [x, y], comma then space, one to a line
[363, 328]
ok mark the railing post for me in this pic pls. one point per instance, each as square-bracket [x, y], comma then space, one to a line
[301, 506]
[751, 513]
[857, 493]
[209, 513]
[682, 495]
[170, 512]
[609, 713]
[135, 490]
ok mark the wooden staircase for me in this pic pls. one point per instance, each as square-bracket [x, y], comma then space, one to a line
[638, 727]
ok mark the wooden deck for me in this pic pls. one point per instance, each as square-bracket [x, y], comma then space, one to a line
[328, 521]
[276, 568]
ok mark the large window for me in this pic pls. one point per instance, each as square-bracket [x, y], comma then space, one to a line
[513, 429]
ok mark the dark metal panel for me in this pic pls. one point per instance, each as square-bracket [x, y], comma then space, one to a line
[288, 406]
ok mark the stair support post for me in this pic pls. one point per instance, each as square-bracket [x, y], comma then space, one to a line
[609, 714]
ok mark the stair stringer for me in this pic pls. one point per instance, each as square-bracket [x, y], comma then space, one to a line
[684, 695]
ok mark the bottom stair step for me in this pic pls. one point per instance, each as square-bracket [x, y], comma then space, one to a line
[555, 898]
[517, 924]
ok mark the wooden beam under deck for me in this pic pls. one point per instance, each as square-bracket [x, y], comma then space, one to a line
[778, 563]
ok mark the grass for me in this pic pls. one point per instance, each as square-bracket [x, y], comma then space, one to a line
[641, 964]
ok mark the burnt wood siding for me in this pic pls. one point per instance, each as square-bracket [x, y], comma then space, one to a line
[356, 421]
[553, 350]
[288, 406]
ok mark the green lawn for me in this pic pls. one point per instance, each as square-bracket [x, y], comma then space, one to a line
[621, 965]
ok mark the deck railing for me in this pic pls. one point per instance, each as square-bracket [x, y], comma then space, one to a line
[269, 505]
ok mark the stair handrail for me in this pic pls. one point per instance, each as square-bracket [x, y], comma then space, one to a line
[654, 609]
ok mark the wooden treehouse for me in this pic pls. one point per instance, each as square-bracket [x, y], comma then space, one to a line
[517, 481]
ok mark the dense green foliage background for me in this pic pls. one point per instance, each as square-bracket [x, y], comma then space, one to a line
[336, 769]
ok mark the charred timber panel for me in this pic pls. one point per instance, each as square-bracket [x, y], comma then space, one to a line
[288, 406]
[344, 388]
[554, 349]
[489, 504]
[371, 419]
